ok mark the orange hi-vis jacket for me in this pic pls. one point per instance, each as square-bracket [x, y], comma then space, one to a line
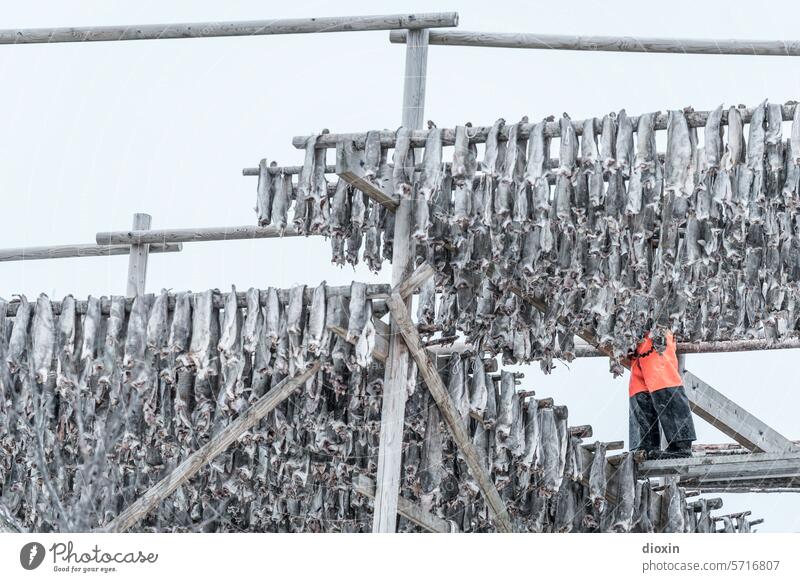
[654, 371]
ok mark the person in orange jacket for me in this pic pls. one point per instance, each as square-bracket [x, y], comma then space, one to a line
[657, 397]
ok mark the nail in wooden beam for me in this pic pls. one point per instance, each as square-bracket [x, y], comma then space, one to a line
[351, 171]
[411, 511]
[151, 498]
[137, 264]
[449, 412]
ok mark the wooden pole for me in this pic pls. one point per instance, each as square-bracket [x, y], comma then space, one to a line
[240, 28]
[618, 44]
[552, 129]
[402, 320]
[176, 235]
[411, 511]
[390, 449]
[718, 347]
[699, 470]
[205, 454]
[77, 251]
[137, 264]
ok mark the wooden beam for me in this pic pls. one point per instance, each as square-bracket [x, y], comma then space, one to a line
[403, 252]
[617, 44]
[352, 172]
[180, 235]
[409, 286]
[236, 28]
[408, 509]
[696, 471]
[611, 446]
[722, 449]
[733, 420]
[77, 251]
[587, 351]
[552, 129]
[205, 454]
[450, 414]
[137, 263]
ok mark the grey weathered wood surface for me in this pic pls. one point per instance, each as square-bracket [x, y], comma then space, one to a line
[176, 235]
[450, 415]
[610, 446]
[408, 509]
[205, 454]
[390, 447]
[699, 470]
[360, 183]
[137, 263]
[733, 420]
[730, 346]
[478, 134]
[75, 251]
[617, 44]
[410, 284]
[236, 28]
[722, 448]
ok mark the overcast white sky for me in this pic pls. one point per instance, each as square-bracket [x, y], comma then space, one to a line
[94, 132]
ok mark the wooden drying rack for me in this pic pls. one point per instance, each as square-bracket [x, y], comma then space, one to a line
[400, 340]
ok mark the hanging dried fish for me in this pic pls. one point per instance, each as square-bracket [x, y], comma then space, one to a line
[158, 325]
[43, 339]
[358, 311]
[504, 404]
[272, 313]
[549, 447]
[492, 158]
[679, 174]
[463, 172]
[253, 323]
[91, 325]
[264, 194]
[114, 344]
[403, 173]
[626, 493]
[712, 139]
[295, 324]
[478, 392]
[625, 158]
[366, 340]
[205, 326]
[597, 478]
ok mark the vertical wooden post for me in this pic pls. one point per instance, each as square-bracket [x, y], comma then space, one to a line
[390, 451]
[137, 263]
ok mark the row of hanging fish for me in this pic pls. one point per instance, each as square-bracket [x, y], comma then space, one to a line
[80, 442]
[611, 235]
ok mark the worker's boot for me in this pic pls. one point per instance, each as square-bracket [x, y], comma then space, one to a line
[678, 450]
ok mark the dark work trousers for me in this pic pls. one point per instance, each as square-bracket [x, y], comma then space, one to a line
[668, 407]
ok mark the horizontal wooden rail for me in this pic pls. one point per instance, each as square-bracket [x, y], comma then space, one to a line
[587, 351]
[376, 292]
[693, 471]
[552, 129]
[75, 251]
[237, 28]
[617, 44]
[211, 233]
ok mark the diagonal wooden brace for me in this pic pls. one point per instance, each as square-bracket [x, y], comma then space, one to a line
[205, 454]
[349, 169]
[449, 412]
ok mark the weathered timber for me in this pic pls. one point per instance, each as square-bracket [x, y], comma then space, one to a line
[390, 445]
[450, 414]
[552, 129]
[205, 454]
[408, 509]
[236, 28]
[733, 420]
[408, 286]
[611, 446]
[137, 263]
[711, 503]
[178, 235]
[722, 448]
[352, 172]
[41, 253]
[583, 431]
[697, 471]
[375, 291]
[587, 351]
[618, 44]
